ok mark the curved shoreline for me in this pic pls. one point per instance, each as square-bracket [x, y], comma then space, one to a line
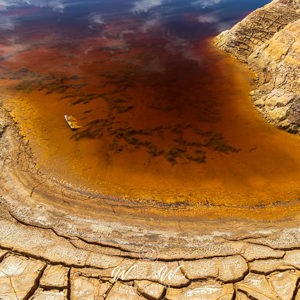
[209, 258]
[50, 223]
[39, 201]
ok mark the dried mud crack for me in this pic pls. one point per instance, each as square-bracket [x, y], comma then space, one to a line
[58, 242]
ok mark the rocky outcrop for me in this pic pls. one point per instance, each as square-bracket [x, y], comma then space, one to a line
[268, 40]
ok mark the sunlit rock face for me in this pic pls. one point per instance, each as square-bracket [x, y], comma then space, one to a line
[268, 40]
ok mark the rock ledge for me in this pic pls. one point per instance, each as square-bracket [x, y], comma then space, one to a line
[268, 40]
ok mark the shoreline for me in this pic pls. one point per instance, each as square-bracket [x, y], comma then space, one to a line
[41, 202]
[52, 224]
[221, 258]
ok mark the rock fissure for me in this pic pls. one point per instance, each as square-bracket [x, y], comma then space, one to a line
[36, 285]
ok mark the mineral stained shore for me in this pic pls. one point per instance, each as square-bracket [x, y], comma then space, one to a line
[57, 242]
[268, 40]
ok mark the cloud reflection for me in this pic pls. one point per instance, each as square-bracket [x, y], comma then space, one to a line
[208, 19]
[207, 3]
[6, 23]
[142, 6]
[95, 21]
[151, 23]
[9, 22]
[55, 5]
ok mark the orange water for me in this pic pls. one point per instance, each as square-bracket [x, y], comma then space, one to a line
[172, 126]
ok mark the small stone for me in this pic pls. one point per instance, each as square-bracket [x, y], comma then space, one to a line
[55, 276]
[259, 103]
[209, 290]
[278, 101]
[285, 124]
[232, 268]
[271, 102]
[18, 275]
[257, 287]
[49, 295]
[150, 290]
[278, 114]
[123, 292]
[284, 284]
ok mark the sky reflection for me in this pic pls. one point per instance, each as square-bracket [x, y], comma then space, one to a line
[216, 15]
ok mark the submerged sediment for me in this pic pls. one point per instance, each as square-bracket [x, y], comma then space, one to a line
[268, 40]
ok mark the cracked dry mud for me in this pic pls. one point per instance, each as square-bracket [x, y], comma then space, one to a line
[57, 242]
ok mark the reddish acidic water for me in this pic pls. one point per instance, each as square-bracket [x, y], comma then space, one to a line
[164, 115]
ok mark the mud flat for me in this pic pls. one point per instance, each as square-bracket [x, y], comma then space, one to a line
[67, 243]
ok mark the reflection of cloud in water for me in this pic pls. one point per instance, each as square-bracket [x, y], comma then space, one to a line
[6, 23]
[95, 21]
[96, 18]
[55, 5]
[207, 3]
[214, 20]
[153, 22]
[208, 19]
[177, 45]
[142, 6]
[9, 23]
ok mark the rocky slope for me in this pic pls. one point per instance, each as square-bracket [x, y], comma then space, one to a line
[268, 40]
